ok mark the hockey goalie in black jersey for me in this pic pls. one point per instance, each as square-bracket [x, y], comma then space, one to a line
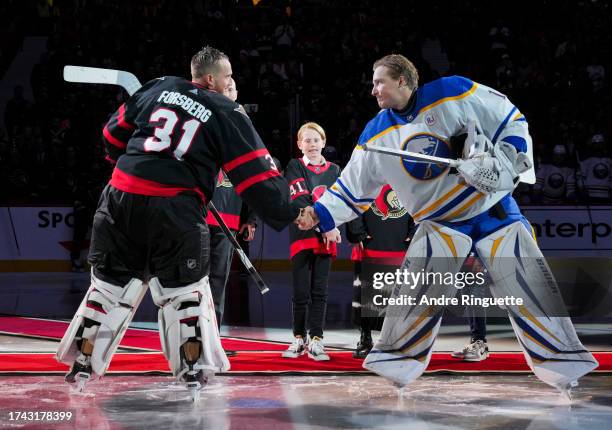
[169, 141]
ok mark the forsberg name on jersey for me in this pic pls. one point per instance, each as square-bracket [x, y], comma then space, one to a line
[189, 105]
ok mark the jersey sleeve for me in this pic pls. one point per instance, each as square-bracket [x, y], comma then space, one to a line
[249, 166]
[299, 192]
[356, 230]
[352, 193]
[117, 133]
[122, 124]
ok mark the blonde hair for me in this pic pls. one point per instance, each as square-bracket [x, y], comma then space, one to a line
[398, 65]
[313, 126]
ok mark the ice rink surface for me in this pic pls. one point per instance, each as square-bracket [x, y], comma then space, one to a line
[312, 402]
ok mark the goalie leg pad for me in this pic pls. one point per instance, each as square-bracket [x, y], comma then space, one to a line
[101, 319]
[548, 338]
[404, 349]
[187, 314]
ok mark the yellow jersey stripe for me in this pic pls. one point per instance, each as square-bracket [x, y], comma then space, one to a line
[385, 131]
[438, 202]
[462, 209]
[447, 99]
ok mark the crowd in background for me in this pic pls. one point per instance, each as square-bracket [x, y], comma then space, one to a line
[309, 60]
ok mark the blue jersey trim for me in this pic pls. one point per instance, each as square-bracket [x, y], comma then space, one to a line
[341, 197]
[451, 86]
[352, 197]
[502, 125]
[517, 141]
[326, 221]
[450, 205]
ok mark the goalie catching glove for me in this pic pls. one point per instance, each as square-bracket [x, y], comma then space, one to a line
[498, 172]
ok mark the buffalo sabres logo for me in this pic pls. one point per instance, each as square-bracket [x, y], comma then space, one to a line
[392, 207]
[429, 144]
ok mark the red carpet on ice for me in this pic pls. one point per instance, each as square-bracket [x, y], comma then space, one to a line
[254, 356]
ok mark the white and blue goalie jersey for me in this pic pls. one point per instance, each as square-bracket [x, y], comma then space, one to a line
[439, 111]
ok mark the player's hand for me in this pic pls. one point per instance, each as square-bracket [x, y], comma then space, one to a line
[247, 231]
[307, 218]
[332, 236]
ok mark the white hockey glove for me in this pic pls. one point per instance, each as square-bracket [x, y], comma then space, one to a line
[499, 172]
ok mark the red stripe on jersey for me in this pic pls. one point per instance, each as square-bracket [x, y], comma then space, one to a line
[112, 139]
[135, 185]
[231, 221]
[316, 169]
[242, 186]
[312, 243]
[121, 120]
[389, 258]
[230, 165]
[357, 253]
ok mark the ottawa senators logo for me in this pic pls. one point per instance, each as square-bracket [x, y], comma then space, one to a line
[387, 205]
[223, 181]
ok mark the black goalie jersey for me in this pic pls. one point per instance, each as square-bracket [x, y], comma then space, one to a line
[306, 184]
[173, 135]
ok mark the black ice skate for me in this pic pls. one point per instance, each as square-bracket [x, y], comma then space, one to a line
[195, 379]
[80, 373]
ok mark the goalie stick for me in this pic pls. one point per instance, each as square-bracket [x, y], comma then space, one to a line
[414, 157]
[129, 82]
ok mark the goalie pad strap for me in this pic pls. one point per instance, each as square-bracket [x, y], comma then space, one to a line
[118, 305]
[174, 330]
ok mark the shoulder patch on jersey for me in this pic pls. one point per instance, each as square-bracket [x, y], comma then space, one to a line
[194, 91]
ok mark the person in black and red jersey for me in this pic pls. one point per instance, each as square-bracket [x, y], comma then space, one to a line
[381, 237]
[169, 141]
[310, 255]
[238, 217]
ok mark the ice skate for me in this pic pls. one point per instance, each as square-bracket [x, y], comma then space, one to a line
[80, 373]
[195, 380]
[566, 390]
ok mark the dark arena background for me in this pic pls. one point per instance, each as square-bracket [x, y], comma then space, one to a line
[293, 62]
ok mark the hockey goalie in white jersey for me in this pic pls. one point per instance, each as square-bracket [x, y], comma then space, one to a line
[470, 208]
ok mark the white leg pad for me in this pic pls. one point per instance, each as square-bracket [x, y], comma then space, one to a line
[406, 340]
[548, 338]
[118, 305]
[174, 332]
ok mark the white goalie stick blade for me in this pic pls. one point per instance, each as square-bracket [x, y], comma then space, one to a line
[95, 75]
[412, 156]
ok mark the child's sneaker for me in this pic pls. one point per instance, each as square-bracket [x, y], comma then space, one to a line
[297, 348]
[477, 351]
[316, 350]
